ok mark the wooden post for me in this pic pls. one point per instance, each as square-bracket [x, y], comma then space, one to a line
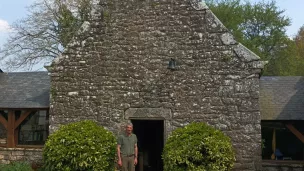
[16, 136]
[11, 129]
[297, 133]
[23, 116]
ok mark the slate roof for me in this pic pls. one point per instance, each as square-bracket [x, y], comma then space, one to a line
[24, 90]
[282, 98]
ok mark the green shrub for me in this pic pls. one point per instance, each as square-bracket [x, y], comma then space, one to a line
[16, 166]
[198, 147]
[80, 146]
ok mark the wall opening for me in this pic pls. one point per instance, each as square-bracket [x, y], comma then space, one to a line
[283, 140]
[150, 135]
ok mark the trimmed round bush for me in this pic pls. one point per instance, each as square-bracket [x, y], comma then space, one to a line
[80, 146]
[198, 147]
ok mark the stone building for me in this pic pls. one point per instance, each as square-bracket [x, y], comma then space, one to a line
[24, 106]
[282, 122]
[116, 70]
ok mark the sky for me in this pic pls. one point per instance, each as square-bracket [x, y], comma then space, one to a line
[13, 10]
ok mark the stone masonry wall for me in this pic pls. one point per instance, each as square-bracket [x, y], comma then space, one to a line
[283, 166]
[8, 155]
[117, 66]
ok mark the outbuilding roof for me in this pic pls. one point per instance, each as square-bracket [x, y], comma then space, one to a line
[24, 90]
[282, 98]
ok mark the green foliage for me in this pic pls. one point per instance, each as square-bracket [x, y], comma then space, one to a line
[80, 146]
[259, 26]
[265, 28]
[286, 62]
[16, 166]
[67, 24]
[263, 145]
[53, 92]
[198, 147]
[230, 13]
[289, 61]
[226, 58]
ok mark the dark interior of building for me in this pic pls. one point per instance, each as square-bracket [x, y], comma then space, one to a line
[287, 145]
[150, 135]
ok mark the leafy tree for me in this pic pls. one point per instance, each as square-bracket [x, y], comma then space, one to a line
[285, 63]
[259, 26]
[45, 32]
[299, 40]
[264, 28]
[230, 12]
[290, 59]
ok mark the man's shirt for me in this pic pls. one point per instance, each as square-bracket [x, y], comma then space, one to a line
[127, 144]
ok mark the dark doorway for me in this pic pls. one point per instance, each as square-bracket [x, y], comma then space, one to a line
[150, 135]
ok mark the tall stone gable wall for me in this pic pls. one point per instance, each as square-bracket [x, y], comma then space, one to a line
[116, 69]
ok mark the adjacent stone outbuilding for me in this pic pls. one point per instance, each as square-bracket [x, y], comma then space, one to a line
[116, 70]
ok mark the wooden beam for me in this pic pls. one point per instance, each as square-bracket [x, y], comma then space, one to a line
[11, 129]
[16, 136]
[297, 133]
[3, 121]
[22, 117]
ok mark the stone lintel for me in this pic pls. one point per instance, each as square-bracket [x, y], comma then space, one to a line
[148, 113]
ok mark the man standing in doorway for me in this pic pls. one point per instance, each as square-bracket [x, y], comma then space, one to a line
[127, 149]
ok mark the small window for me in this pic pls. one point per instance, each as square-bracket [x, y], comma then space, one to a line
[34, 129]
